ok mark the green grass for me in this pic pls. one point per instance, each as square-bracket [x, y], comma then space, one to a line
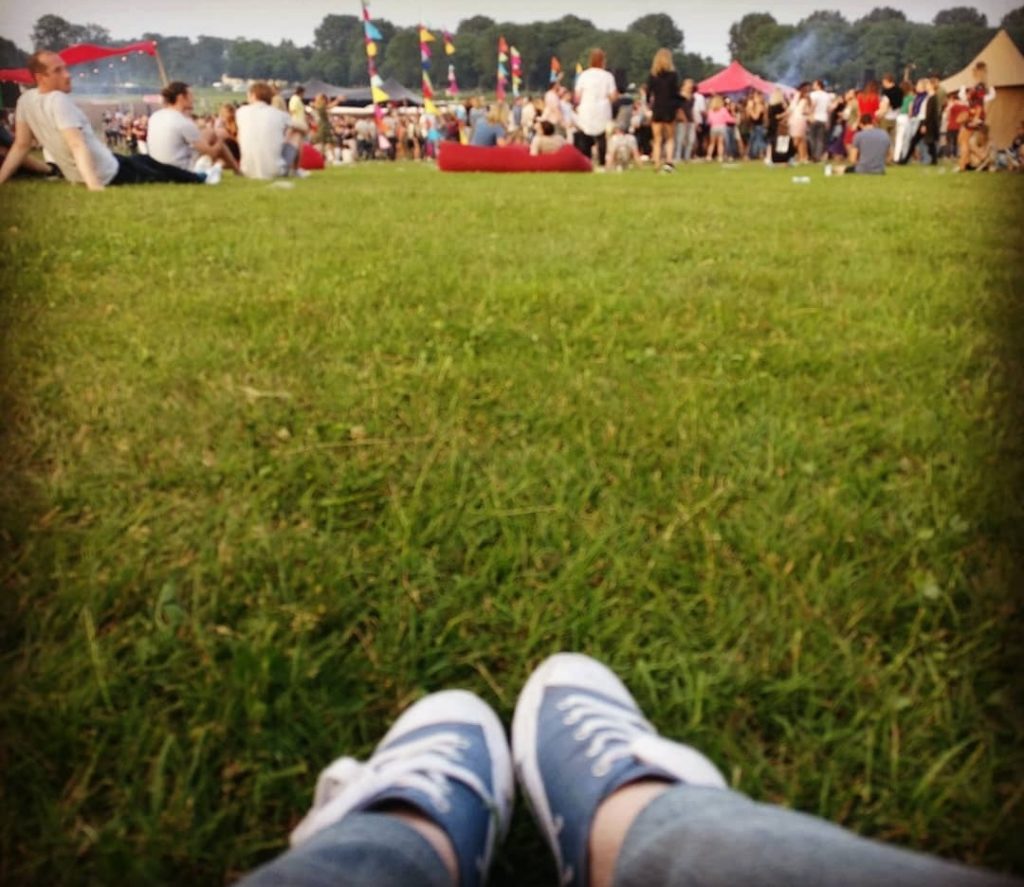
[277, 462]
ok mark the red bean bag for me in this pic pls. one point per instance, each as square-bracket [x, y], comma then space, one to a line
[310, 158]
[512, 158]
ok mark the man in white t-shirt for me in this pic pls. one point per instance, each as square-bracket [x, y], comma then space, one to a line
[174, 137]
[594, 94]
[817, 131]
[267, 137]
[49, 115]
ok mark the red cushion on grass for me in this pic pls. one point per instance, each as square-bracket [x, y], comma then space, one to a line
[310, 158]
[512, 158]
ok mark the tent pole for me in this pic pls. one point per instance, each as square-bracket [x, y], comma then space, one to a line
[160, 67]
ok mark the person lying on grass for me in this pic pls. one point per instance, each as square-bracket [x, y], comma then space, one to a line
[48, 115]
[174, 137]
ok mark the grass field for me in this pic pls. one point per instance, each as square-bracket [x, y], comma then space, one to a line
[279, 461]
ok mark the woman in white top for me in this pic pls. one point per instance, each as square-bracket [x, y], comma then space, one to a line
[595, 92]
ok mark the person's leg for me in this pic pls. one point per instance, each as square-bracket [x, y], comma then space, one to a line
[619, 804]
[369, 849]
[428, 807]
[656, 149]
[141, 169]
[692, 835]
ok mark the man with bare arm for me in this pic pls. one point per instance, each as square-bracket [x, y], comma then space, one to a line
[48, 114]
[175, 138]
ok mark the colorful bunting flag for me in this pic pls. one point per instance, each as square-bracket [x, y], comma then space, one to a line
[371, 35]
[453, 84]
[426, 38]
[502, 70]
[517, 71]
[449, 44]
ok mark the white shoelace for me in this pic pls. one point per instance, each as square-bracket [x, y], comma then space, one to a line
[425, 765]
[609, 728]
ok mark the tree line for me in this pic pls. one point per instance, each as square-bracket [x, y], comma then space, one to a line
[824, 44]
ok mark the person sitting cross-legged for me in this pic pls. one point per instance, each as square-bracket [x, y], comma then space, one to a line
[48, 114]
[175, 138]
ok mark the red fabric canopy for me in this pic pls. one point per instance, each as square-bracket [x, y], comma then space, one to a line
[736, 78]
[79, 54]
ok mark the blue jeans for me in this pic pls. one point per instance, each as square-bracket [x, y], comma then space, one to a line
[686, 136]
[688, 835]
[757, 143]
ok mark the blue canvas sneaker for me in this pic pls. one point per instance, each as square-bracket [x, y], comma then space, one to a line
[448, 758]
[577, 736]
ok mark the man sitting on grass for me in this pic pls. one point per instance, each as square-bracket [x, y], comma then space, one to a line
[48, 114]
[267, 137]
[868, 151]
[547, 141]
[175, 138]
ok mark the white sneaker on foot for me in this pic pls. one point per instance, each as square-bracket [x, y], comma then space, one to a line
[578, 736]
[213, 174]
[447, 757]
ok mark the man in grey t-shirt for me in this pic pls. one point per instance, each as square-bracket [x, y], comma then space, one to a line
[48, 114]
[870, 148]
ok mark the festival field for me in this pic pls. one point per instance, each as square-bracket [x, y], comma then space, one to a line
[277, 461]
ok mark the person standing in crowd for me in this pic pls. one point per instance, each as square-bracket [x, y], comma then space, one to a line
[798, 114]
[889, 108]
[48, 115]
[820, 101]
[779, 147]
[663, 98]
[902, 134]
[686, 131]
[552, 111]
[175, 138]
[928, 118]
[297, 109]
[977, 99]
[324, 130]
[757, 119]
[868, 100]
[718, 119]
[594, 94]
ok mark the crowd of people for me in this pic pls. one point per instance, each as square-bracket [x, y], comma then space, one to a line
[663, 122]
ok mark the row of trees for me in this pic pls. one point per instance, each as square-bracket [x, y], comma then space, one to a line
[823, 44]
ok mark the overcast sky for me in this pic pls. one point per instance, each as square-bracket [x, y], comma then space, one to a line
[705, 23]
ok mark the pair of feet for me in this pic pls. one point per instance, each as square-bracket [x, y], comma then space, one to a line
[578, 740]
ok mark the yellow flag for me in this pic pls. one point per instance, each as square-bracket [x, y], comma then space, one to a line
[379, 95]
[371, 49]
[426, 36]
[430, 107]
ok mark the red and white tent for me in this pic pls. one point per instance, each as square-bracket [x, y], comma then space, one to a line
[736, 79]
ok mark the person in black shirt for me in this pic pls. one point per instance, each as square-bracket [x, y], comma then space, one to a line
[663, 98]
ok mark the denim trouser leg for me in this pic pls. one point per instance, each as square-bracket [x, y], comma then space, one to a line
[691, 836]
[363, 850]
